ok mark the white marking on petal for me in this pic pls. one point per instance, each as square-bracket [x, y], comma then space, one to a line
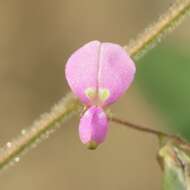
[87, 114]
[90, 93]
[103, 94]
[101, 115]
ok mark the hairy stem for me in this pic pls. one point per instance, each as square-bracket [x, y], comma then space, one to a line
[158, 30]
[40, 130]
[11, 151]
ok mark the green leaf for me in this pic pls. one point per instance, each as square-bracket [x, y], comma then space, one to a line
[176, 165]
[164, 79]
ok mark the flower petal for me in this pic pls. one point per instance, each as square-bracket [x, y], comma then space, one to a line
[116, 71]
[81, 72]
[93, 127]
[99, 73]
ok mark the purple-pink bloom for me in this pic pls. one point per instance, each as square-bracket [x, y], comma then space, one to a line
[93, 127]
[99, 73]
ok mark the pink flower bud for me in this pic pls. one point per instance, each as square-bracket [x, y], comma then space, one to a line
[99, 73]
[93, 127]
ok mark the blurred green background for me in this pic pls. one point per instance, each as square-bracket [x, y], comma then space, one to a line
[36, 38]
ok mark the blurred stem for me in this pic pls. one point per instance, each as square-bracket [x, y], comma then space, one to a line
[40, 130]
[65, 108]
[158, 30]
[159, 134]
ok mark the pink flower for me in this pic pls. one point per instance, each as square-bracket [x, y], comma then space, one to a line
[98, 74]
[93, 127]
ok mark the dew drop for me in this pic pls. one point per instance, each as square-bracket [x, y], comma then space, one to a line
[9, 144]
[17, 159]
[23, 131]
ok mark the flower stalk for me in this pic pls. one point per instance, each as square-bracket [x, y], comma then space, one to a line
[158, 133]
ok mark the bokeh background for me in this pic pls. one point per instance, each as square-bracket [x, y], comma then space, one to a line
[36, 38]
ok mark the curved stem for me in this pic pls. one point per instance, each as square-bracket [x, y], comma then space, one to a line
[148, 130]
[69, 105]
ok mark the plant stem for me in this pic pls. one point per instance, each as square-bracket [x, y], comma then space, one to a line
[69, 105]
[158, 30]
[148, 130]
[40, 130]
